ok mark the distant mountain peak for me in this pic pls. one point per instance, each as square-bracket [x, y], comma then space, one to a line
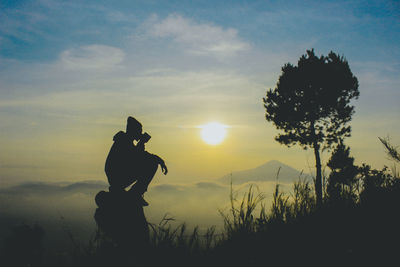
[265, 172]
[273, 163]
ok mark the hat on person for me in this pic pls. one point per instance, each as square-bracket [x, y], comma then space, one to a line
[133, 124]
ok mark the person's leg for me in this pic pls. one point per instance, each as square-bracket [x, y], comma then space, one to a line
[148, 170]
[119, 181]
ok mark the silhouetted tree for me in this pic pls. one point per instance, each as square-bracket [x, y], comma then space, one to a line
[311, 104]
[377, 184]
[343, 174]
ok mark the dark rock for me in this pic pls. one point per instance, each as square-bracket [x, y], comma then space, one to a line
[120, 217]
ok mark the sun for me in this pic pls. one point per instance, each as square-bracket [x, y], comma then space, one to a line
[213, 133]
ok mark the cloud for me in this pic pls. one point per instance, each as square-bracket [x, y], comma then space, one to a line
[190, 189]
[42, 188]
[21, 24]
[146, 92]
[209, 186]
[195, 203]
[92, 57]
[167, 188]
[196, 38]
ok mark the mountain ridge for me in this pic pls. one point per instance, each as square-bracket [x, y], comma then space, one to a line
[272, 170]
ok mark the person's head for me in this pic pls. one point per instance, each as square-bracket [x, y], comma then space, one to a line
[133, 128]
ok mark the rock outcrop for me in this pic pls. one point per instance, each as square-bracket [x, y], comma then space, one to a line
[120, 218]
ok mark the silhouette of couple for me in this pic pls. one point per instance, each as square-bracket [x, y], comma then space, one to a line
[128, 162]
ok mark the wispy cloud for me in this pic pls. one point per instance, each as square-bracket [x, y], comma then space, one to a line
[92, 57]
[197, 38]
[21, 24]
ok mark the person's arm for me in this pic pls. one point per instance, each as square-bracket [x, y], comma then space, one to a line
[162, 164]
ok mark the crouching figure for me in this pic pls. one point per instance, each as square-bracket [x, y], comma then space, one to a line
[128, 163]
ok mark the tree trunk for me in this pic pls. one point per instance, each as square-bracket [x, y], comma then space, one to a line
[318, 179]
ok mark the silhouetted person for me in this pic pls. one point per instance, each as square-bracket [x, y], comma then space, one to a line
[128, 163]
[120, 216]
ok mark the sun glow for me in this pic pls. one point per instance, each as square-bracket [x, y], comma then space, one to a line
[213, 133]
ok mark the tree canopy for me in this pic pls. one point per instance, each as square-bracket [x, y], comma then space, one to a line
[311, 100]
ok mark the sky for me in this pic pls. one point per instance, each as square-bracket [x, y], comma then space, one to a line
[71, 72]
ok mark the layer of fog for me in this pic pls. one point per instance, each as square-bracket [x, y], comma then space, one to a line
[62, 208]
